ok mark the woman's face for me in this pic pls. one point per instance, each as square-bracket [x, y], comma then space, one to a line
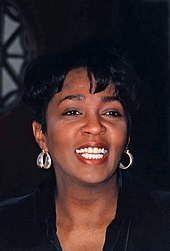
[86, 132]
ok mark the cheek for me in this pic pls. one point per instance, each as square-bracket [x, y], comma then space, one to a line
[53, 135]
[59, 137]
[118, 136]
[57, 147]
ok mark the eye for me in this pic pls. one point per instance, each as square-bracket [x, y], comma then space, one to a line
[113, 113]
[71, 112]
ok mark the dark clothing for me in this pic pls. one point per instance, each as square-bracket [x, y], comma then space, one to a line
[141, 223]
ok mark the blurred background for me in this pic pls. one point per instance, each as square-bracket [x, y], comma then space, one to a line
[28, 28]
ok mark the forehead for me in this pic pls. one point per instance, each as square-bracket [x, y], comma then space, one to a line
[76, 76]
[78, 79]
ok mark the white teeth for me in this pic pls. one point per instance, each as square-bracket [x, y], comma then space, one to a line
[102, 150]
[96, 150]
[92, 156]
[92, 152]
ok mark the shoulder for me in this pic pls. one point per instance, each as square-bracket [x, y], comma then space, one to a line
[152, 214]
[22, 220]
[156, 195]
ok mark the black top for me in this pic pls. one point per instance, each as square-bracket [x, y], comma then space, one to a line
[141, 224]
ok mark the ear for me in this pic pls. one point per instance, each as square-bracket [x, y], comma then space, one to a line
[39, 136]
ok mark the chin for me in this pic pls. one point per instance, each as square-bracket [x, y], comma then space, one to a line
[97, 179]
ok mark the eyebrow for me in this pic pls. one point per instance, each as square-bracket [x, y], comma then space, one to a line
[109, 98]
[74, 97]
[79, 97]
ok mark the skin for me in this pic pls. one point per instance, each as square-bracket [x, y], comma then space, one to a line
[87, 189]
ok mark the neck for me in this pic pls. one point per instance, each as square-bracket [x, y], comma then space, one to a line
[86, 205]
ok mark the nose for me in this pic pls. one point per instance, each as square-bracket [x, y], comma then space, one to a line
[93, 126]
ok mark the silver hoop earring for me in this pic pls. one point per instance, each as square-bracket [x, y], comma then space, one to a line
[44, 160]
[130, 160]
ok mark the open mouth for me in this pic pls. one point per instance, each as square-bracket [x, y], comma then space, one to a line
[92, 152]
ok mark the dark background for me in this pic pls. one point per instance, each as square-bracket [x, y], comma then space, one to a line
[140, 28]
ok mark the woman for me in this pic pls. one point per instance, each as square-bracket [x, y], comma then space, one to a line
[84, 102]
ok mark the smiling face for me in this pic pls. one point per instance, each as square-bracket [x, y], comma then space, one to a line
[86, 132]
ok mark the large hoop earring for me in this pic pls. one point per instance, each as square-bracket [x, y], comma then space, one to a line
[130, 160]
[44, 160]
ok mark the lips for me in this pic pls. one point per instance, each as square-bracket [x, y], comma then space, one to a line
[94, 151]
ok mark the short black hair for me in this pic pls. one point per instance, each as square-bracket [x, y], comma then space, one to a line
[45, 76]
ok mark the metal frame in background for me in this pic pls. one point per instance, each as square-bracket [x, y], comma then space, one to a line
[9, 9]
